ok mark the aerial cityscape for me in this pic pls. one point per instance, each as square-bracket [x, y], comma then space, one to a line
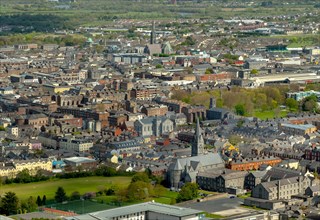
[159, 109]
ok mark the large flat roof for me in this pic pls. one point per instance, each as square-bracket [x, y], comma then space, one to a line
[142, 207]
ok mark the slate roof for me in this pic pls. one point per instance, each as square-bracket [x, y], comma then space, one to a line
[287, 181]
[207, 159]
[142, 207]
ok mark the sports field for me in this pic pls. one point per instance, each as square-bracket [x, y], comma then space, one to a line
[48, 188]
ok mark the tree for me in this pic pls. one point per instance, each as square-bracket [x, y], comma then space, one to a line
[209, 71]
[139, 190]
[60, 195]
[112, 190]
[31, 204]
[159, 66]
[24, 176]
[39, 201]
[188, 191]
[159, 190]
[310, 103]
[44, 200]
[240, 110]
[143, 177]
[254, 71]
[292, 104]
[9, 203]
[75, 195]
[189, 41]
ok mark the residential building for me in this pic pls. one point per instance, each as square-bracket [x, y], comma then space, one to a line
[79, 145]
[253, 178]
[12, 168]
[159, 110]
[281, 189]
[301, 129]
[253, 163]
[221, 182]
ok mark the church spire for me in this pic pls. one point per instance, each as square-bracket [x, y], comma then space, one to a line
[153, 34]
[198, 142]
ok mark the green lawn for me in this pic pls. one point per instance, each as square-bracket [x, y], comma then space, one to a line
[269, 114]
[244, 195]
[166, 198]
[48, 188]
[214, 216]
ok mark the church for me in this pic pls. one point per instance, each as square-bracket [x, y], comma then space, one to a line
[183, 170]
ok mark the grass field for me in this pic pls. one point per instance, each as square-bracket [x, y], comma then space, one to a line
[264, 115]
[48, 188]
[167, 197]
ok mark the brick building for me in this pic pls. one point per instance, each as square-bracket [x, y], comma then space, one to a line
[194, 112]
[154, 110]
[144, 94]
[87, 113]
[312, 153]
[253, 163]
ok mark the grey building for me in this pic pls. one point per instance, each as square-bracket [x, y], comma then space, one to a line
[221, 182]
[281, 189]
[186, 169]
[129, 58]
[153, 126]
[214, 113]
[253, 179]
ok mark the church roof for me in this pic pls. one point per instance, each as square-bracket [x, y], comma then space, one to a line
[206, 160]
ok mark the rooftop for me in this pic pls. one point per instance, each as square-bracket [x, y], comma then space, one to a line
[142, 207]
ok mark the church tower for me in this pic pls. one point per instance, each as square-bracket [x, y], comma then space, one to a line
[198, 143]
[153, 36]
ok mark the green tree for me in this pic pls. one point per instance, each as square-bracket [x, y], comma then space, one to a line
[188, 191]
[32, 205]
[292, 104]
[189, 41]
[159, 190]
[44, 200]
[112, 190]
[39, 201]
[60, 195]
[143, 177]
[159, 66]
[310, 103]
[24, 176]
[254, 71]
[209, 71]
[75, 195]
[9, 203]
[139, 190]
[240, 109]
